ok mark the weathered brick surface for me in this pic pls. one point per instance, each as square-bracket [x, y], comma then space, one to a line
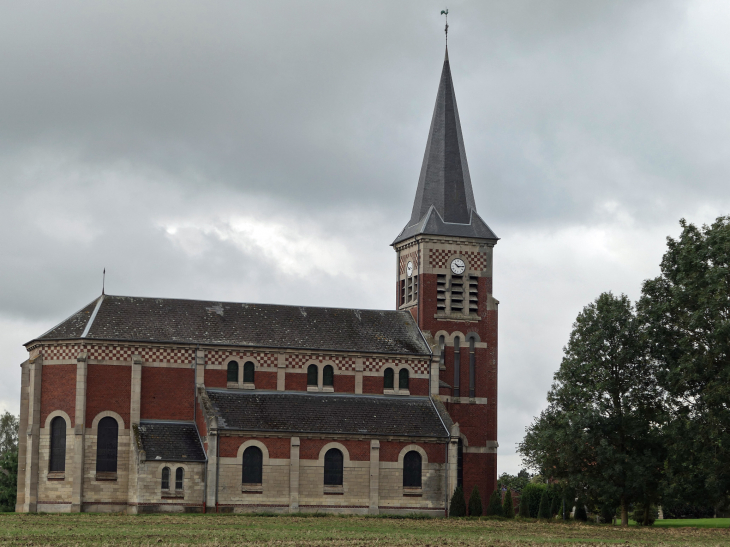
[277, 447]
[167, 393]
[344, 383]
[372, 384]
[418, 386]
[109, 387]
[265, 380]
[215, 378]
[389, 451]
[295, 381]
[58, 390]
[311, 448]
[479, 470]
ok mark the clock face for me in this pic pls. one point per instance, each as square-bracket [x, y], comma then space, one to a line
[409, 269]
[458, 266]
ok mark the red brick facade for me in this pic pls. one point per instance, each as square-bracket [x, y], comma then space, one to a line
[277, 447]
[58, 391]
[109, 387]
[167, 393]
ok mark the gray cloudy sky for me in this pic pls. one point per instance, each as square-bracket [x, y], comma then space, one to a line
[270, 151]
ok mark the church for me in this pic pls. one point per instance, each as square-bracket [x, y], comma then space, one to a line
[154, 404]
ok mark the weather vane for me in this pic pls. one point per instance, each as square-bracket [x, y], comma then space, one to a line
[446, 30]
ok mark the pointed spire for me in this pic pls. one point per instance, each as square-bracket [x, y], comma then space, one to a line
[444, 186]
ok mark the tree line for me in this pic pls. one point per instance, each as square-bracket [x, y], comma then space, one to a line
[638, 413]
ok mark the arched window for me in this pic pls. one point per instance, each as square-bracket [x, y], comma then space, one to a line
[312, 374]
[412, 470]
[179, 474]
[388, 378]
[333, 467]
[460, 464]
[403, 378]
[165, 478]
[253, 461]
[328, 376]
[457, 365]
[106, 445]
[58, 445]
[232, 371]
[248, 371]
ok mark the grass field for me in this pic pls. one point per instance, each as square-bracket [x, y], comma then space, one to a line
[91, 529]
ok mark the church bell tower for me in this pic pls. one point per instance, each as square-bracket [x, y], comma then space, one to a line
[444, 278]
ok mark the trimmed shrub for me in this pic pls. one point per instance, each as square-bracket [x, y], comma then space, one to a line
[495, 504]
[544, 511]
[524, 509]
[457, 508]
[508, 507]
[555, 505]
[644, 514]
[475, 503]
[532, 493]
[580, 511]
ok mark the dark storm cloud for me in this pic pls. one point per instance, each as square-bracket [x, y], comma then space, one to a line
[270, 152]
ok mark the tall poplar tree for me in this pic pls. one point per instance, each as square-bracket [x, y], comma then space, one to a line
[601, 430]
[686, 311]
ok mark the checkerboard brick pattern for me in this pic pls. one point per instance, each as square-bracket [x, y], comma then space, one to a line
[175, 356]
[438, 258]
[404, 258]
[376, 365]
[300, 361]
[267, 360]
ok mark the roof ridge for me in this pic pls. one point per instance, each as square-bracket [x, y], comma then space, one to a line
[93, 316]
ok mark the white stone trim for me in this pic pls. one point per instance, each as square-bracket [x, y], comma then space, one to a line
[54, 414]
[407, 449]
[341, 448]
[104, 414]
[253, 442]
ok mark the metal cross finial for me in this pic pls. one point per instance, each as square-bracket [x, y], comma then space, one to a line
[446, 30]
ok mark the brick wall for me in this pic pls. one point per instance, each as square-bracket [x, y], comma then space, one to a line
[389, 451]
[109, 387]
[167, 393]
[277, 447]
[58, 391]
[295, 381]
[215, 378]
[310, 449]
[372, 384]
[265, 380]
[344, 383]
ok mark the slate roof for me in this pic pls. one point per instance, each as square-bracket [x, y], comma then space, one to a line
[444, 203]
[124, 318]
[329, 413]
[171, 441]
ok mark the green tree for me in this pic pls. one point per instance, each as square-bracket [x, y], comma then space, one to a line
[508, 507]
[8, 480]
[8, 433]
[457, 508]
[544, 510]
[686, 310]
[602, 428]
[555, 504]
[580, 511]
[514, 482]
[524, 508]
[495, 504]
[475, 503]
